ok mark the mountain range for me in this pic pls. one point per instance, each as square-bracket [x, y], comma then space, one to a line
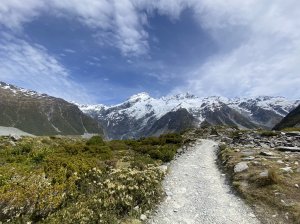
[141, 115]
[40, 114]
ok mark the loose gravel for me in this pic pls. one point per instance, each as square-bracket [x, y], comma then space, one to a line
[197, 192]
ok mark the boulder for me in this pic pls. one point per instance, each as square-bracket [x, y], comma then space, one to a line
[293, 133]
[287, 169]
[143, 217]
[240, 167]
[288, 149]
[266, 153]
[248, 158]
[264, 173]
[15, 137]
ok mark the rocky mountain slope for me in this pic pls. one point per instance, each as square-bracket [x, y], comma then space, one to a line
[40, 114]
[292, 120]
[142, 115]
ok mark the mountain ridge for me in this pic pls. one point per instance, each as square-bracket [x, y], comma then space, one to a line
[141, 112]
[41, 114]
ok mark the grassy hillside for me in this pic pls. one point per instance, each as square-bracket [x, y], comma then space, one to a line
[67, 180]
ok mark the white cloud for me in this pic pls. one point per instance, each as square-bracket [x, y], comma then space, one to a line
[265, 61]
[21, 62]
[115, 22]
[259, 41]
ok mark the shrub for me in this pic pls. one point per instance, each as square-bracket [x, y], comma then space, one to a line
[155, 154]
[116, 145]
[95, 140]
[167, 153]
[172, 138]
[268, 133]
[152, 141]
[38, 158]
[73, 149]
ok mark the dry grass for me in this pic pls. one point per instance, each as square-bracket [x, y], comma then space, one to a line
[274, 196]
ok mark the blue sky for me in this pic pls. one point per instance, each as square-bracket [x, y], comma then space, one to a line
[108, 50]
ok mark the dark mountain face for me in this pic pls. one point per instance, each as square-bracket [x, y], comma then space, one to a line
[292, 120]
[227, 116]
[42, 114]
[174, 121]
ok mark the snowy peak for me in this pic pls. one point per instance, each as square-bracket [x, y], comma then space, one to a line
[139, 97]
[140, 113]
[20, 91]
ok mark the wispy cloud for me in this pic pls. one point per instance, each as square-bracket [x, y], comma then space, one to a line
[31, 65]
[258, 41]
[264, 61]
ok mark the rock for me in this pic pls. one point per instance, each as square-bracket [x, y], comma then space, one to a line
[293, 133]
[289, 149]
[252, 215]
[180, 150]
[249, 158]
[248, 152]
[296, 185]
[226, 140]
[264, 145]
[12, 143]
[287, 169]
[168, 193]
[264, 173]
[266, 153]
[163, 168]
[15, 137]
[240, 167]
[143, 217]
[280, 161]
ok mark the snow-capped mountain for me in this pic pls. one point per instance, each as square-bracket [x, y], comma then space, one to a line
[142, 115]
[40, 114]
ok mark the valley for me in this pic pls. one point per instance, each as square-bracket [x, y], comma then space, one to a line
[148, 160]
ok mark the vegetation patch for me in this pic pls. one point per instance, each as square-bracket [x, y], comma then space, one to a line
[73, 180]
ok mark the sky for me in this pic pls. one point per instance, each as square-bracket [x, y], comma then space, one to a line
[104, 51]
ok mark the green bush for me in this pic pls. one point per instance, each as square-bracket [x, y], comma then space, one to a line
[95, 140]
[38, 158]
[117, 145]
[268, 133]
[167, 153]
[172, 138]
[74, 149]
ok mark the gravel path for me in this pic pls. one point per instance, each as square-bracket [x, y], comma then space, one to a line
[197, 192]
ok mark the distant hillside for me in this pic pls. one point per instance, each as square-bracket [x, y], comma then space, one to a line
[40, 114]
[292, 120]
